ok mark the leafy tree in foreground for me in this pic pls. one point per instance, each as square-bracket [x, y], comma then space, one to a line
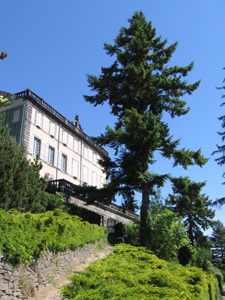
[218, 239]
[20, 184]
[192, 206]
[140, 87]
[167, 231]
[221, 150]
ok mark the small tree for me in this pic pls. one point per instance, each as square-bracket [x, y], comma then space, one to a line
[192, 206]
[218, 240]
[140, 87]
[20, 184]
[166, 231]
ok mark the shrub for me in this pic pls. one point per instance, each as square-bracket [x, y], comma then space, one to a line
[24, 236]
[136, 273]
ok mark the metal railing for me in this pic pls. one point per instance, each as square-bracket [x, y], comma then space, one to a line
[62, 185]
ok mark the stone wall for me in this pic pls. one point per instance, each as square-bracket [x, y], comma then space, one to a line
[24, 281]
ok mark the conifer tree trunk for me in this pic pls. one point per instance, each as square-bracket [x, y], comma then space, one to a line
[144, 221]
[144, 224]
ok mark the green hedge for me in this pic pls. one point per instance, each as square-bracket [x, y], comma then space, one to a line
[24, 236]
[136, 273]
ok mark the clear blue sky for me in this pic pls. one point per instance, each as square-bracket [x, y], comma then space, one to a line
[53, 44]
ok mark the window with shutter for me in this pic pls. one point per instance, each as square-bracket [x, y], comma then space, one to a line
[39, 119]
[68, 166]
[85, 152]
[94, 179]
[37, 147]
[94, 158]
[75, 169]
[64, 138]
[31, 145]
[42, 153]
[64, 163]
[52, 129]
[85, 174]
[76, 145]
[51, 155]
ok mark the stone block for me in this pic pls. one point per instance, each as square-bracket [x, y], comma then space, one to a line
[7, 297]
[4, 286]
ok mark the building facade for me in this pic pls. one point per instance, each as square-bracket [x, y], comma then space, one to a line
[65, 151]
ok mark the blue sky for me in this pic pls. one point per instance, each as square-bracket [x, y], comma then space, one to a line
[53, 44]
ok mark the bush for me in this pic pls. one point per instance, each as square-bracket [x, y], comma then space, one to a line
[24, 236]
[136, 273]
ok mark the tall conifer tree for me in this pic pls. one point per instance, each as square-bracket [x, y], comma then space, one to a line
[194, 207]
[140, 87]
[221, 149]
[218, 239]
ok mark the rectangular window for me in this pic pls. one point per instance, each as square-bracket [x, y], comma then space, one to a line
[85, 152]
[51, 155]
[76, 145]
[94, 179]
[85, 174]
[65, 138]
[75, 167]
[64, 163]
[39, 119]
[94, 158]
[37, 147]
[52, 129]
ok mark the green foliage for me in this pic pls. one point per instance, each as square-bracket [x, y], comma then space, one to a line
[135, 273]
[167, 233]
[192, 206]
[24, 236]
[20, 184]
[218, 240]
[4, 101]
[140, 88]
[53, 201]
[201, 258]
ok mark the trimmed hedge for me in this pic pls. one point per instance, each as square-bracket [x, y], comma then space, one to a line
[24, 236]
[136, 273]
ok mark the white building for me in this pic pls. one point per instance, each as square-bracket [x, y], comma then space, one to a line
[65, 151]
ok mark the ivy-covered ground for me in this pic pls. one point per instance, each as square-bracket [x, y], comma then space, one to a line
[135, 273]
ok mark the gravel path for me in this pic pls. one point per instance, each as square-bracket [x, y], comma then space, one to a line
[51, 291]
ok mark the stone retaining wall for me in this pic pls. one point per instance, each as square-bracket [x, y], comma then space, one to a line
[23, 282]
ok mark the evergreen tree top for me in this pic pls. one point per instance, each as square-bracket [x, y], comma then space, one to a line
[140, 76]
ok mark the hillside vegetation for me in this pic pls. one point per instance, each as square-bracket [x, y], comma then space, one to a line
[136, 273]
[24, 236]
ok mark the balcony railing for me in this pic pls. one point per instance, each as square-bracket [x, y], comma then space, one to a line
[62, 185]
